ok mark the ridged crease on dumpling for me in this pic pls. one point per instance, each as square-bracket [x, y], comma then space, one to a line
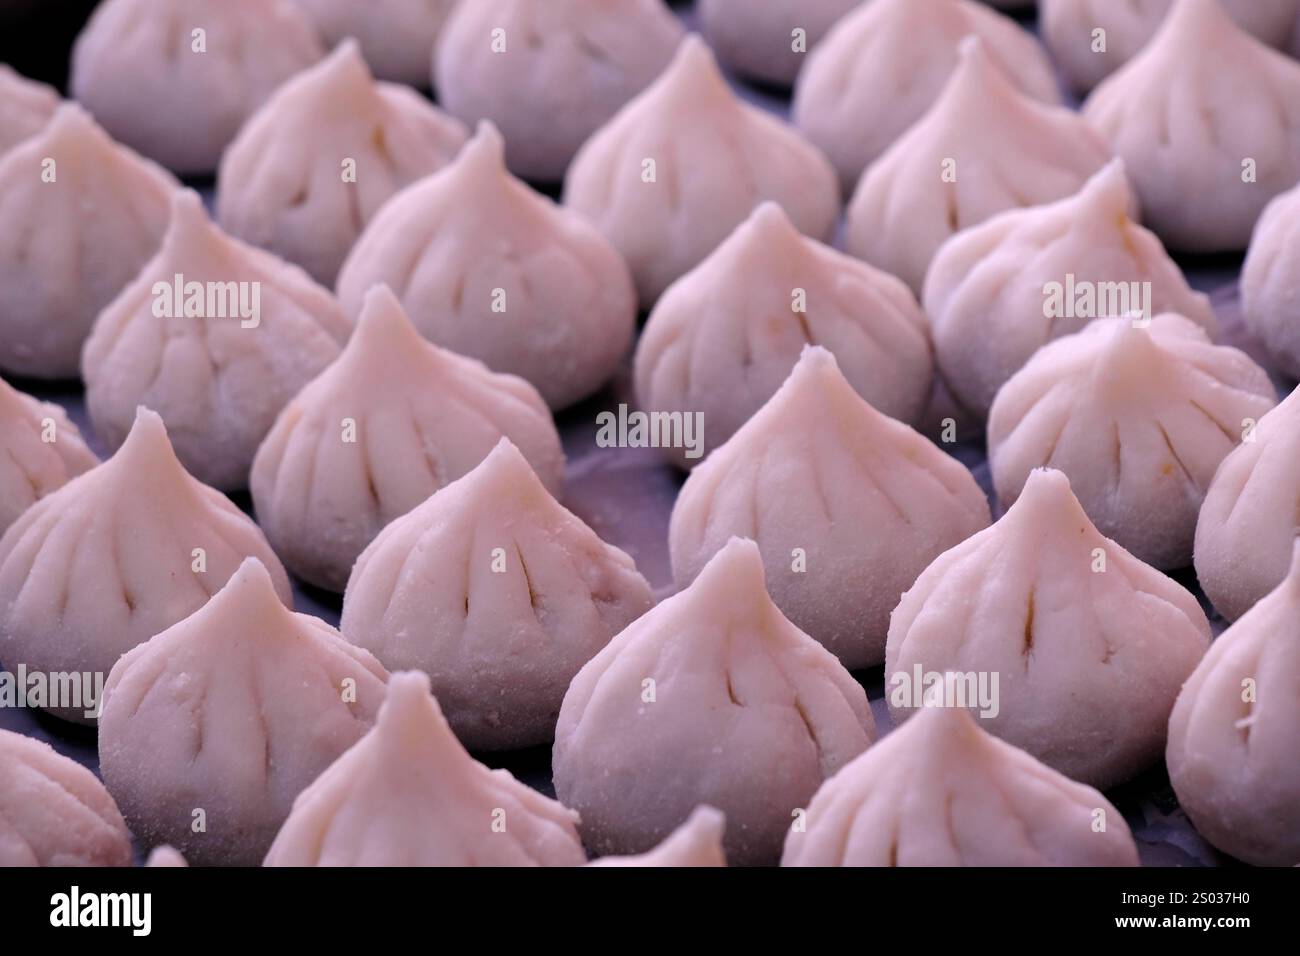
[25, 107]
[490, 269]
[1138, 416]
[725, 336]
[496, 592]
[407, 794]
[218, 381]
[697, 842]
[1088, 646]
[712, 697]
[389, 423]
[759, 40]
[847, 506]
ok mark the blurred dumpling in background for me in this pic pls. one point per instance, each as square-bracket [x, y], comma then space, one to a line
[1139, 417]
[1234, 731]
[983, 147]
[81, 216]
[884, 65]
[396, 36]
[407, 794]
[326, 151]
[496, 592]
[712, 697]
[768, 41]
[1204, 111]
[115, 556]
[939, 791]
[175, 79]
[697, 842]
[211, 728]
[40, 451]
[55, 812]
[725, 336]
[846, 505]
[1270, 293]
[684, 163]
[492, 270]
[25, 107]
[549, 73]
[995, 293]
[166, 856]
[218, 368]
[1086, 57]
[394, 419]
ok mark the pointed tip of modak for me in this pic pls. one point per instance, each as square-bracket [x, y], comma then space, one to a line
[939, 721]
[978, 78]
[694, 71]
[484, 153]
[505, 472]
[384, 328]
[250, 588]
[770, 223]
[410, 718]
[1108, 189]
[735, 572]
[147, 446]
[1046, 500]
[1189, 18]
[706, 824]
[72, 121]
[345, 63]
[190, 229]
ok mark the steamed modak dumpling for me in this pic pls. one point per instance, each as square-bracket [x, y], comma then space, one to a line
[768, 41]
[216, 352]
[1234, 731]
[40, 452]
[939, 791]
[884, 65]
[725, 336]
[81, 216]
[53, 810]
[388, 424]
[1207, 119]
[1086, 56]
[711, 697]
[175, 79]
[117, 555]
[1270, 294]
[995, 293]
[326, 151]
[211, 728]
[407, 794]
[396, 36]
[1138, 416]
[1247, 526]
[846, 505]
[549, 73]
[490, 269]
[1088, 645]
[496, 592]
[25, 107]
[684, 163]
[982, 148]
[697, 842]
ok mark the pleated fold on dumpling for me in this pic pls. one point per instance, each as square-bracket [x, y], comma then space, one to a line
[1234, 731]
[217, 377]
[407, 794]
[53, 811]
[712, 697]
[211, 728]
[81, 216]
[768, 41]
[1086, 56]
[939, 791]
[995, 293]
[25, 107]
[316, 162]
[982, 148]
[684, 163]
[117, 555]
[884, 65]
[1138, 417]
[175, 79]
[697, 842]
[549, 74]
[1250, 520]
[396, 36]
[389, 423]
[1088, 646]
[1270, 294]
[492, 270]
[1207, 119]
[725, 336]
[40, 451]
[496, 592]
[847, 506]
